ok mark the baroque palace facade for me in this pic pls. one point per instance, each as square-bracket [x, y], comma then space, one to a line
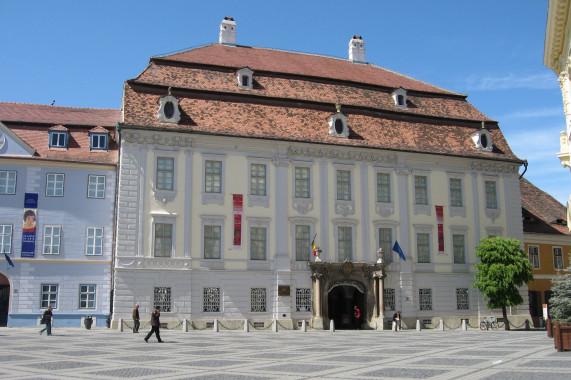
[235, 159]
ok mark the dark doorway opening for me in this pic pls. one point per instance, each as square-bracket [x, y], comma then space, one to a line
[341, 300]
[4, 300]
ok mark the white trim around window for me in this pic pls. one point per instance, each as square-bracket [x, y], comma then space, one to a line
[258, 182]
[163, 220]
[422, 194]
[55, 183]
[344, 192]
[96, 186]
[558, 262]
[52, 240]
[389, 255]
[213, 182]
[6, 231]
[491, 199]
[424, 261]
[344, 223]
[302, 221]
[256, 225]
[302, 186]
[459, 260]
[456, 194]
[8, 182]
[94, 241]
[164, 188]
[384, 192]
[206, 222]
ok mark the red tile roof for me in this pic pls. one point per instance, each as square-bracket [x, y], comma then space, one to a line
[547, 214]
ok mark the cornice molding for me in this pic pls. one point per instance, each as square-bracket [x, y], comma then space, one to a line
[157, 139]
[334, 153]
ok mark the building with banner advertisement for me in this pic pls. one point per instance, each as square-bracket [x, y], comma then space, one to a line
[236, 161]
[58, 170]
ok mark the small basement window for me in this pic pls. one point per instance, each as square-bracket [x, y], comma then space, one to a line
[168, 109]
[245, 79]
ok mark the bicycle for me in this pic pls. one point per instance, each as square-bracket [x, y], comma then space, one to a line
[486, 324]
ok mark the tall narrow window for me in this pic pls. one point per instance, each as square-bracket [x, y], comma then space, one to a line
[557, 258]
[423, 247]
[533, 251]
[7, 182]
[54, 184]
[302, 243]
[343, 185]
[212, 242]
[420, 190]
[95, 186]
[458, 246]
[162, 298]
[94, 245]
[491, 195]
[5, 238]
[462, 299]
[345, 243]
[456, 192]
[258, 300]
[425, 299]
[52, 240]
[213, 176]
[383, 187]
[211, 300]
[163, 240]
[302, 299]
[385, 242]
[49, 296]
[258, 179]
[87, 296]
[257, 243]
[165, 173]
[302, 182]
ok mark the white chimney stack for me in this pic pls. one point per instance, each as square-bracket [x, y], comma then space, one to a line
[357, 50]
[228, 31]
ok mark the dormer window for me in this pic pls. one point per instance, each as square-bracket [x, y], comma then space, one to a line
[58, 137]
[98, 139]
[338, 123]
[168, 109]
[482, 139]
[244, 76]
[399, 96]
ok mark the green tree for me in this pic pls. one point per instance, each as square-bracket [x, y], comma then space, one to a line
[503, 268]
[560, 301]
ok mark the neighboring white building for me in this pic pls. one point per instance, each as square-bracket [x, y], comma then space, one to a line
[234, 158]
[58, 170]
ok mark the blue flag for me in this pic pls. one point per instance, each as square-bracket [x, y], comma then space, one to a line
[9, 260]
[398, 250]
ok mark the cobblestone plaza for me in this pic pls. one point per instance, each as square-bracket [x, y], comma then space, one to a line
[73, 353]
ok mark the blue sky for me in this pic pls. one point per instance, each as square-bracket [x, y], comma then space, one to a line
[79, 53]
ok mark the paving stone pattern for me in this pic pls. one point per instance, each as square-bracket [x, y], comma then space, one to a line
[74, 353]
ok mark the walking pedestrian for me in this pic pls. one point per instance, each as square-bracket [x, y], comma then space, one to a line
[47, 320]
[357, 317]
[136, 319]
[155, 324]
[396, 321]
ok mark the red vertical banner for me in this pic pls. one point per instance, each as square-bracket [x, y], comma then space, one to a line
[238, 201]
[440, 221]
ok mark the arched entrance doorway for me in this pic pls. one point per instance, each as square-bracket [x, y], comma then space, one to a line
[4, 300]
[341, 300]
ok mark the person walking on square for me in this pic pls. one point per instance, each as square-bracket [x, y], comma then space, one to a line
[396, 321]
[47, 319]
[136, 319]
[357, 317]
[155, 325]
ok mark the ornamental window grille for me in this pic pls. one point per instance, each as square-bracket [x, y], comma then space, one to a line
[383, 187]
[390, 299]
[303, 299]
[162, 298]
[258, 300]
[258, 179]
[7, 182]
[420, 190]
[302, 243]
[385, 241]
[425, 299]
[302, 177]
[557, 258]
[533, 251]
[459, 248]
[343, 185]
[211, 300]
[462, 301]
[456, 192]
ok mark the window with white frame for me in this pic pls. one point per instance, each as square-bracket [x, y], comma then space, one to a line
[389, 299]
[385, 242]
[6, 238]
[459, 248]
[98, 140]
[258, 179]
[162, 298]
[343, 185]
[94, 243]
[462, 299]
[257, 243]
[557, 258]
[163, 239]
[212, 241]
[302, 242]
[211, 300]
[165, 173]
[52, 240]
[258, 300]
[423, 247]
[345, 243]
[49, 295]
[87, 296]
[95, 186]
[533, 251]
[425, 299]
[302, 182]
[491, 195]
[456, 198]
[212, 176]
[58, 139]
[383, 187]
[302, 299]
[54, 184]
[8, 182]
[420, 190]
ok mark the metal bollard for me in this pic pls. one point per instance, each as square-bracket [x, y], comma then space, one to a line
[303, 326]
[215, 325]
[441, 325]
[331, 326]
[418, 326]
[464, 325]
[275, 325]
[246, 326]
[185, 325]
[120, 326]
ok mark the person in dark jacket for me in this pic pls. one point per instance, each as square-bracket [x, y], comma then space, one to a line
[47, 319]
[136, 319]
[396, 321]
[155, 324]
[356, 317]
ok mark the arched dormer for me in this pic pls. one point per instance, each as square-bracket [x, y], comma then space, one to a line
[168, 109]
[482, 139]
[245, 78]
[399, 96]
[338, 123]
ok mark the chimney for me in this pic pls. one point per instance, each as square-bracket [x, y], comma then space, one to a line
[357, 50]
[228, 32]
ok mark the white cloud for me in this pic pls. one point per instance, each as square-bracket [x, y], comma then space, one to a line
[534, 113]
[510, 81]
